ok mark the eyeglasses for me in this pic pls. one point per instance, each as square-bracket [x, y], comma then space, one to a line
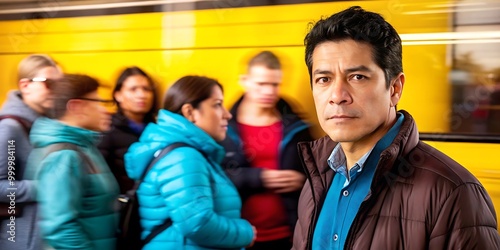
[39, 79]
[105, 103]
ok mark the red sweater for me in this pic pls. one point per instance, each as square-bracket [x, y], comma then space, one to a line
[264, 210]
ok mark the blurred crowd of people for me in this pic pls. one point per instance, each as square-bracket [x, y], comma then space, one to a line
[68, 195]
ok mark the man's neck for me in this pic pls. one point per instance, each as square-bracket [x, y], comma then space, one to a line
[70, 120]
[251, 114]
[355, 150]
[37, 108]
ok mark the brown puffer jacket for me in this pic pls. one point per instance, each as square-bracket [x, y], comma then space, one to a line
[419, 199]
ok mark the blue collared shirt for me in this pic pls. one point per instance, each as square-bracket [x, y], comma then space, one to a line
[347, 192]
[337, 162]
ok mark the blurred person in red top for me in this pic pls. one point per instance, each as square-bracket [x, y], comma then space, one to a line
[261, 153]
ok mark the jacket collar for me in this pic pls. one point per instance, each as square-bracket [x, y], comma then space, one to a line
[14, 105]
[47, 131]
[119, 119]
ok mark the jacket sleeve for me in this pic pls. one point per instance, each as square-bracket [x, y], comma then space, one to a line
[237, 168]
[186, 188]
[25, 189]
[302, 225]
[467, 220]
[59, 196]
[248, 179]
[245, 179]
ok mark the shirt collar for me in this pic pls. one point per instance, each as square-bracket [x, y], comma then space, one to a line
[337, 159]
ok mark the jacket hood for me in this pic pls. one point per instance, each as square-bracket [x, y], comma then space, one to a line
[15, 106]
[170, 128]
[47, 131]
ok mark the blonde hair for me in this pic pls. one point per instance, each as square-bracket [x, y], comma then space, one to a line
[30, 65]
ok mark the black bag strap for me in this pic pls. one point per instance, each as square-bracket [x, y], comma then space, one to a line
[25, 123]
[159, 228]
[91, 167]
[159, 156]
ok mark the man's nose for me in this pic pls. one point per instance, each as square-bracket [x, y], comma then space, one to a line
[339, 92]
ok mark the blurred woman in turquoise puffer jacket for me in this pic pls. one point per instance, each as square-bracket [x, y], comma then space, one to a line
[76, 191]
[185, 186]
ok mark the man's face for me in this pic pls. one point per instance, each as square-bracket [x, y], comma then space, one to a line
[349, 89]
[35, 91]
[95, 115]
[262, 86]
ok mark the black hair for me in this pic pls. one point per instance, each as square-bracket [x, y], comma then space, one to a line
[361, 26]
[133, 71]
[189, 89]
[71, 86]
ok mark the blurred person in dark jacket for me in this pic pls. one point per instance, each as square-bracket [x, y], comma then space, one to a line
[261, 153]
[135, 94]
[372, 184]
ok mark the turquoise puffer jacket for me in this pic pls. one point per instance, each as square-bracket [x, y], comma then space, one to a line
[76, 209]
[202, 202]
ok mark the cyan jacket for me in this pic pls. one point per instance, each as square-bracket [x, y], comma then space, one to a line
[76, 209]
[186, 187]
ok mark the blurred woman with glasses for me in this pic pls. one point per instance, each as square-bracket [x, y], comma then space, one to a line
[19, 111]
[76, 190]
[135, 94]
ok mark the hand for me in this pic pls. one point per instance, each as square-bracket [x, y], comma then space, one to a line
[282, 181]
[254, 237]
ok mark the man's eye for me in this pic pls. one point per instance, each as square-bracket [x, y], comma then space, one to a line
[322, 80]
[358, 77]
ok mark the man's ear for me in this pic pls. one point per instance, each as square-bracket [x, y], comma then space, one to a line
[23, 84]
[73, 106]
[397, 89]
[243, 81]
[187, 111]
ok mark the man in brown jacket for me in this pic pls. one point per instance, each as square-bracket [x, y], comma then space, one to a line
[371, 184]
